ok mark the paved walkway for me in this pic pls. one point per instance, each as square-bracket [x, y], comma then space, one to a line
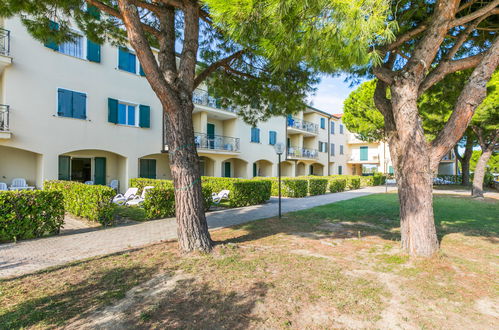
[32, 255]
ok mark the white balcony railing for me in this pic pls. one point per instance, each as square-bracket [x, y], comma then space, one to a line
[202, 97]
[216, 142]
[294, 152]
[4, 118]
[303, 125]
[4, 42]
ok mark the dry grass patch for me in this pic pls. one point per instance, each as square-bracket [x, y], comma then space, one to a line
[335, 266]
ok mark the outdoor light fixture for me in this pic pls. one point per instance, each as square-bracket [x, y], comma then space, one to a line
[279, 150]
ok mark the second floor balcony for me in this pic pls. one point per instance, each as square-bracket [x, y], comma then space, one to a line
[301, 126]
[202, 97]
[5, 59]
[4, 122]
[294, 153]
[217, 142]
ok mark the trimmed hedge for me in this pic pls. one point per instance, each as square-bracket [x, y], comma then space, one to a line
[30, 214]
[160, 201]
[290, 187]
[337, 185]
[93, 202]
[243, 192]
[379, 179]
[143, 182]
[317, 186]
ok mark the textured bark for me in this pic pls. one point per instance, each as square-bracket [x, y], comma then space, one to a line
[479, 175]
[192, 227]
[410, 155]
[465, 160]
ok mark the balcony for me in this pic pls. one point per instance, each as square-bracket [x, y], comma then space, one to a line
[363, 160]
[5, 59]
[4, 122]
[449, 157]
[216, 143]
[294, 153]
[296, 125]
[213, 104]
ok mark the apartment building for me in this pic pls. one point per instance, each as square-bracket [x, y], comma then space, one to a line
[82, 111]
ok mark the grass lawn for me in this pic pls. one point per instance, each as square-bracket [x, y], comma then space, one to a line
[334, 266]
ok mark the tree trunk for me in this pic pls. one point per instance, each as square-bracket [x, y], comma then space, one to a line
[479, 175]
[465, 160]
[410, 152]
[192, 228]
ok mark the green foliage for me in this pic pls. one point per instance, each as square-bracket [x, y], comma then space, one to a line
[379, 179]
[492, 164]
[361, 115]
[243, 192]
[352, 181]
[160, 201]
[337, 185]
[487, 113]
[144, 182]
[30, 214]
[317, 186]
[290, 187]
[93, 202]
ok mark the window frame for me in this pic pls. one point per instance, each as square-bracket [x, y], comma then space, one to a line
[270, 138]
[251, 135]
[342, 130]
[342, 150]
[83, 46]
[137, 113]
[137, 62]
[331, 131]
[323, 123]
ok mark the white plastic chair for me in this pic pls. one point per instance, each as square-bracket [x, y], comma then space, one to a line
[217, 198]
[89, 182]
[121, 199]
[114, 184]
[3, 186]
[137, 200]
[20, 184]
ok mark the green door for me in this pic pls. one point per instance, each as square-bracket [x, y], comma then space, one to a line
[255, 169]
[210, 134]
[363, 153]
[64, 168]
[147, 168]
[227, 170]
[340, 169]
[100, 170]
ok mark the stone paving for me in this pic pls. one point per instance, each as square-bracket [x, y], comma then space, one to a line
[78, 242]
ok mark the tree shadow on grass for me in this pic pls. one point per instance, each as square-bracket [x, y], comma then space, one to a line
[52, 310]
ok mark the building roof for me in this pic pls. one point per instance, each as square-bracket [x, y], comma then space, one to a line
[338, 115]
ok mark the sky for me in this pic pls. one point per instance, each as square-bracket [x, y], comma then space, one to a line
[330, 94]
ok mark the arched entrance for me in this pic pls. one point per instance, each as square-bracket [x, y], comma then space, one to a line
[262, 167]
[206, 166]
[235, 168]
[316, 169]
[155, 166]
[300, 169]
[287, 169]
[20, 163]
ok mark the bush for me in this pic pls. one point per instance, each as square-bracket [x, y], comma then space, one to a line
[317, 186]
[379, 179]
[353, 182]
[366, 181]
[30, 214]
[143, 182]
[93, 202]
[243, 192]
[337, 185]
[452, 179]
[160, 201]
[290, 187]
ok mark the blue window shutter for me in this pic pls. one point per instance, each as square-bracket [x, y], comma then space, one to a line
[145, 116]
[258, 135]
[272, 137]
[112, 107]
[323, 123]
[93, 51]
[50, 43]
[65, 103]
[79, 105]
[141, 71]
[332, 127]
[252, 138]
[123, 59]
[132, 66]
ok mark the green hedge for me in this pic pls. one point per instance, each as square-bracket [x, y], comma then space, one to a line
[317, 186]
[30, 214]
[379, 179]
[157, 183]
[337, 185]
[290, 187]
[243, 192]
[160, 201]
[93, 202]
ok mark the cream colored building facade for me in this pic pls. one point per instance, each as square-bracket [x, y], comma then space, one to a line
[84, 112]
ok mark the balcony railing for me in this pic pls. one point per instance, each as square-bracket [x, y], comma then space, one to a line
[303, 125]
[4, 42]
[216, 142]
[4, 118]
[374, 158]
[449, 156]
[203, 98]
[294, 152]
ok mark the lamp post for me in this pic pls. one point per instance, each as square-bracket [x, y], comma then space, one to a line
[279, 150]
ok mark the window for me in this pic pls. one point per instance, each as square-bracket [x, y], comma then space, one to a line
[340, 169]
[332, 127]
[71, 104]
[74, 47]
[341, 149]
[364, 151]
[332, 149]
[127, 61]
[322, 146]
[147, 168]
[341, 129]
[272, 137]
[255, 135]
[323, 123]
[127, 114]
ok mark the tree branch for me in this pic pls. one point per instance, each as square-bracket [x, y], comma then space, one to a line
[215, 65]
[228, 68]
[466, 5]
[447, 67]
[116, 13]
[139, 42]
[480, 12]
[471, 96]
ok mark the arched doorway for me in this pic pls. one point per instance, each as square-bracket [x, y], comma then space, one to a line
[235, 168]
[20, 163]
[316, 169]
[300, 169]
[206, 166]
[155, 166]
[263, 168]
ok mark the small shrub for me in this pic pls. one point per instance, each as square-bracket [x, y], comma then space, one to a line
[30, 214]
[290, 187]
[93, 202]
[160, 202]
[317, 186]
[337, 185]
[249, 192]
[140, 183]
[366, 181]
[353, 182]
[379, 179]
